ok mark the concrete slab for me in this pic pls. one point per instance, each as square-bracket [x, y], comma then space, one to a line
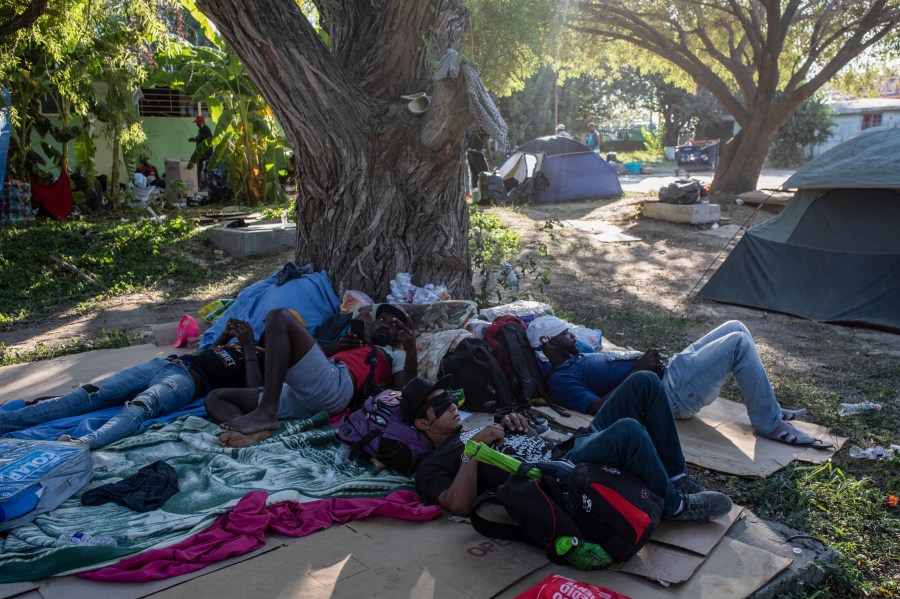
[694, 214]
[254, 239]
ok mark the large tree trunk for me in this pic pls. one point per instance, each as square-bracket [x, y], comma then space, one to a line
[737, 176]
[381, 190]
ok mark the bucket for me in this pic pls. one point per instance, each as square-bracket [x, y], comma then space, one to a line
[634, 167]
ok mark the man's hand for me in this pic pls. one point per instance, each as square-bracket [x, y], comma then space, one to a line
[406, 335]
[651, 360]
[241, 329]
[515, 423]
[489, 435]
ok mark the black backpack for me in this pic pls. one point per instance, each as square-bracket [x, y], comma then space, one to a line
[508, 342]
[600, 504]
[478, 374]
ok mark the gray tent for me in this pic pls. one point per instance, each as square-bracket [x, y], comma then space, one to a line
[833, 255]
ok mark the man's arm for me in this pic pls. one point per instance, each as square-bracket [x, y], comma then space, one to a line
[244, 332]
[460, 495]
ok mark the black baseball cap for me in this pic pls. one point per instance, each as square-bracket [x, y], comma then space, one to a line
[396, 311]
[412, 398]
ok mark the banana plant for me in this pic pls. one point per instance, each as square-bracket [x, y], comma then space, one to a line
[247, 141]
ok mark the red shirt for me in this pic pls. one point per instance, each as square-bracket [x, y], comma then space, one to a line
[355, 360]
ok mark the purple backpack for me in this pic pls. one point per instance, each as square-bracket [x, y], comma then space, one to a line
[378, 430]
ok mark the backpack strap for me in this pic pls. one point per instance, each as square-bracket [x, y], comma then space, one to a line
[369, 388]
[495, 530]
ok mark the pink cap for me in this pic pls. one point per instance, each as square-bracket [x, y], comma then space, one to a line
[188, 330]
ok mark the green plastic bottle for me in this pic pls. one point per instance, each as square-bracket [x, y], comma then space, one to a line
[583, 555]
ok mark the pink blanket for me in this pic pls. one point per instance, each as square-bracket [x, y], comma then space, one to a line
[244, 529]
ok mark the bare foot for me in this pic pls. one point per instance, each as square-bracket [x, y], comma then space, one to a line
[253, 422]
[236, 439]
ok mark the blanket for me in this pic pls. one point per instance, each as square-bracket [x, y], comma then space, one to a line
[296, 464]
[83, 424]
[311, 295]
[55, 198]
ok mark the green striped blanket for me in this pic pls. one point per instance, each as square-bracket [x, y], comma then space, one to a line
[296, 464]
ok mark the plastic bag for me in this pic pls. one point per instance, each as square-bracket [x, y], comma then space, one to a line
[353, 299]
[404, 292]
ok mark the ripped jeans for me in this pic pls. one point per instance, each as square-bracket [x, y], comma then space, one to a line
[146, 390]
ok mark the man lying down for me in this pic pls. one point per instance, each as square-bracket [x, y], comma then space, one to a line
[151, 389]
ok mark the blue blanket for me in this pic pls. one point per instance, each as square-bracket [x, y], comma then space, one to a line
[82, 424]
[310, 295]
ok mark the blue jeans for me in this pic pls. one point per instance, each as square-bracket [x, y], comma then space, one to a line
[635, 431]
[146, 390]
[696, 375]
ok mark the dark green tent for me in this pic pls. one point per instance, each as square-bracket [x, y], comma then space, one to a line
[833, 255]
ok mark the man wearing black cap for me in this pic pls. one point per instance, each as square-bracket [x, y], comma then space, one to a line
[625, 435]
[302, 379]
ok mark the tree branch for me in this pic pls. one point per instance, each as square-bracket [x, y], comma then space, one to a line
[25, 19]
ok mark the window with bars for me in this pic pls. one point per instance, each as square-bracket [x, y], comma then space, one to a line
[163, 101]
[871, 120]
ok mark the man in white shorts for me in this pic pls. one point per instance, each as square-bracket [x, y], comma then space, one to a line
[302, 378]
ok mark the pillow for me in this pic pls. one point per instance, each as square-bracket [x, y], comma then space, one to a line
[432, 347]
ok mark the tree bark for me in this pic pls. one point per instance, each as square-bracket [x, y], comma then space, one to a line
[381, 190]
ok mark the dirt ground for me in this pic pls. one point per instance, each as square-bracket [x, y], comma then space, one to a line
[587, 277]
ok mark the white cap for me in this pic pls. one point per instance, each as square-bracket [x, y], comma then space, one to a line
[544, 328]
[560, 127]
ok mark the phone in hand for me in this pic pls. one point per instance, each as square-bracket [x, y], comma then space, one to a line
[358, 328]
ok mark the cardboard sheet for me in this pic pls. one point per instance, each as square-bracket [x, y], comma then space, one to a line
[720, 438]
[733, 569]
[59, 375]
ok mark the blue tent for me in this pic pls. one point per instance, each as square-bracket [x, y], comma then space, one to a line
[571, 169]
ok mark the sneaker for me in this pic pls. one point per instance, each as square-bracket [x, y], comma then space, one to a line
[703, 506]
[688, 485]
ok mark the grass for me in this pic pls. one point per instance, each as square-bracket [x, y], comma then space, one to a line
[50, 266]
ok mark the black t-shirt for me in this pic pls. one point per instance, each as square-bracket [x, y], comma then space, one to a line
[437, 471]
[221, 367]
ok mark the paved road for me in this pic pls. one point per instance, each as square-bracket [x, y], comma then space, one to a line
[769, 179]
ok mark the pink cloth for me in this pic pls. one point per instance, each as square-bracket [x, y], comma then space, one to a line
[244, 529]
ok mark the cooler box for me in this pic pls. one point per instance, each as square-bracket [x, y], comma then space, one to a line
[37, 476]
[178, 169]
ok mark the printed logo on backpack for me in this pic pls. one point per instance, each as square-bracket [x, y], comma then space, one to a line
[379, 430]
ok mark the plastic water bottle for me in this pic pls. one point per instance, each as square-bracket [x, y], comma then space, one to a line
[83, 538]
[875, 453]
[582, 554]
[512, 281]
[848, 409]
[284, 219]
